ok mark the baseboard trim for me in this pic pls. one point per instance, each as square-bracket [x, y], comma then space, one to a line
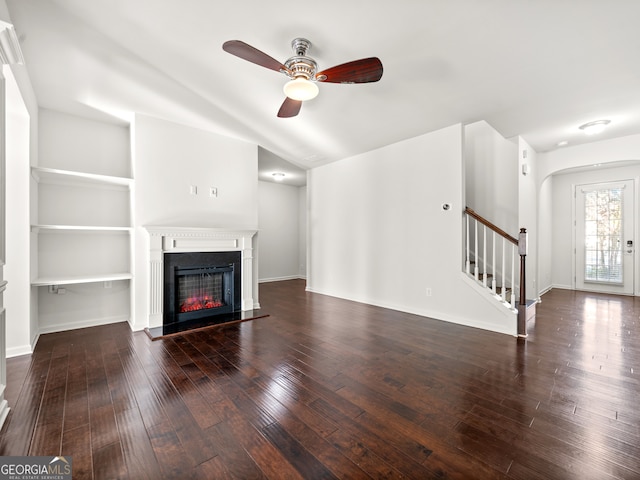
[18, 351]
[544, 290]
[61, 327]
[4, 410]
[280, 279]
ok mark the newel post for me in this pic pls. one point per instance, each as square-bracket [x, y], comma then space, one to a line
[522, 251]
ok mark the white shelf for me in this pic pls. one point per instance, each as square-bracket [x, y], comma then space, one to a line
[70, 280]
[53, 175]
[79, 228]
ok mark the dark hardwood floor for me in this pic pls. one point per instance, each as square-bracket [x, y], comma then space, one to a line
[326, 388]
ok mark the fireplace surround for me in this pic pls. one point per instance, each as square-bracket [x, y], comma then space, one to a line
[233, 246]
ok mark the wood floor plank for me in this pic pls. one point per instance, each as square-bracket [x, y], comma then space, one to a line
[295, 453]
[353, 432]
[169, 452]
[184, 425]
[213, 468]
[108, 462]
[76, 443]
[137, 449]
[237, 461]
[17, 432]
[148, 403]
[48, 429]
[200, 409]
[332, 458]
[76, 409]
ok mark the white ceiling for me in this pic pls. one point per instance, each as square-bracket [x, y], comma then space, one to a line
[538, 69]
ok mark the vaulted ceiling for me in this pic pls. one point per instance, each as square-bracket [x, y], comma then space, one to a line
[538, 69]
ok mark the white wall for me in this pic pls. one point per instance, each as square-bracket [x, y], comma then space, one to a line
[17, 269]
[167, 160]
[545, 236]
[378, 233]
[278, 231]
[68, 142]
[22, 325]
[528, 212]
[563, 229]
[302, 232]
[491, 173]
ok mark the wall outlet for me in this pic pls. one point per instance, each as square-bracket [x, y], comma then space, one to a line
[428, 292]
[213, 192]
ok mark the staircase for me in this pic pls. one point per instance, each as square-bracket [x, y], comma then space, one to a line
[496, 261]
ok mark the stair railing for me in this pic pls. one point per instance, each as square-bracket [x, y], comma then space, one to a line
[483, 238]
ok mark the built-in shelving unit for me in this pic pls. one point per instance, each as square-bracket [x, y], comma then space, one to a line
[85, 231]
[81, 235]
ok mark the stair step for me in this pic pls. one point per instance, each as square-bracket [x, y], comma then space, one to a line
[490, 276]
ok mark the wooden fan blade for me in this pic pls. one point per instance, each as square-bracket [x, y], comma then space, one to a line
[364, 70]
[253, 55]
[289, 108]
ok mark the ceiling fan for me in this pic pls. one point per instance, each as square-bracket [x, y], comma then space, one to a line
[303, 71]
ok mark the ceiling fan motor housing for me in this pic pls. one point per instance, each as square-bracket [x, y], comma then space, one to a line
[300, 65]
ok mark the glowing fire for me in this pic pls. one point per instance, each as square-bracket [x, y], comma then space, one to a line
[194, 304]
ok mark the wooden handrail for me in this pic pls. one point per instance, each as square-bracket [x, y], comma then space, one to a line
[493, 227]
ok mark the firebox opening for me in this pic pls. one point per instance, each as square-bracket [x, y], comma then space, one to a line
[202, 289]
[199, 285]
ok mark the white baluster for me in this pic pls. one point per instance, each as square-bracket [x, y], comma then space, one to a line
[475, 252]
[467, 264]
[484, 255]
[493, 261]
[504, 278]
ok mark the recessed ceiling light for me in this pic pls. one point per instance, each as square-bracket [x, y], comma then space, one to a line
[562, 143]
[278, 176]
[596, 126]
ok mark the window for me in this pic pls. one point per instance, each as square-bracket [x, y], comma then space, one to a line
[603, 235]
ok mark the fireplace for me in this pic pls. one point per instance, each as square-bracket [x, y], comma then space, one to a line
[188, 245]
[200, 285]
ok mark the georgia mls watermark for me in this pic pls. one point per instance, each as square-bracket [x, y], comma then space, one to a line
[35, 468]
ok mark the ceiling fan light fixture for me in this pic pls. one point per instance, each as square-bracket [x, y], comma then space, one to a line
[302, 71]
[278, 176]
[592, 128]
[300, 89]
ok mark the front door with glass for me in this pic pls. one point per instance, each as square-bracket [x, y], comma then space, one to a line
[604, 253]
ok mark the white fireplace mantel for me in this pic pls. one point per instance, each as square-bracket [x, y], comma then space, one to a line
[163, 239]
